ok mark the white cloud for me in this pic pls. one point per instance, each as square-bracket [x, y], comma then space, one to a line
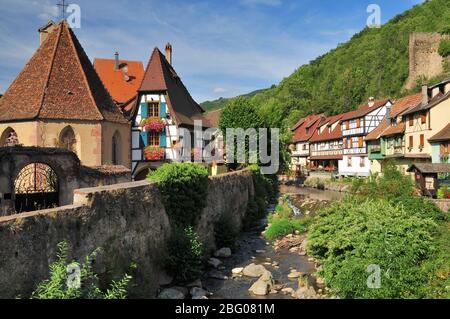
[219, 90]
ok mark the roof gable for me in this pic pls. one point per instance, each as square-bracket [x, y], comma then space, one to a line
[160, 76]
[59, 82]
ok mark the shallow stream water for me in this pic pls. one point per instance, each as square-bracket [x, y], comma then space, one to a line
[253, 248]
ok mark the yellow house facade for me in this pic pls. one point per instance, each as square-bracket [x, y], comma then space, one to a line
[425, 120]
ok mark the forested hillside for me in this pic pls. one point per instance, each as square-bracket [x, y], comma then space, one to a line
[373, 63]
[222, 102]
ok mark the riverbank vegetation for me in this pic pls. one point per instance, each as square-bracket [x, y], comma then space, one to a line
[383, 228]
[282, 221]
[77, 280]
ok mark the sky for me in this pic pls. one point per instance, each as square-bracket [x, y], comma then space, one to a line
[221, 48]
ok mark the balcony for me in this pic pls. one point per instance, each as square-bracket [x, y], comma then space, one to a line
[326, 153]
[355, 151]
[300, 153]
[353, 131]
[375, 148]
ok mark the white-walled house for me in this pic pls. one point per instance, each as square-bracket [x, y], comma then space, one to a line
[164, 110]
[356, 125]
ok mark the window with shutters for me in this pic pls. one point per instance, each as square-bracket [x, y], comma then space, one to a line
[153, 109]
[358, 123]
[411, 142]
[360, 142]
[422, 141]
[423, 118]
[347, 125]
[411, 120]
[345, 143]
[153, 138]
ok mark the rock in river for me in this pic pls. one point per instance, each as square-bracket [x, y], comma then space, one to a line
[254, 270]
[214, 262]
[237, 271]
[171, 293]
[223, 253]
[263, 285]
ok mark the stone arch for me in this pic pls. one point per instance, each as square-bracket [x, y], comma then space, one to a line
[64, 163]
[9, 138]
[69, 140]
[116, 149]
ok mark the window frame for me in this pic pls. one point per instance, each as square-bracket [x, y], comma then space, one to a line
[151, 112]
[152, 137]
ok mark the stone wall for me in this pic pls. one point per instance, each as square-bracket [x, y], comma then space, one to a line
[443, 204]
[127, 220]
[424, 59]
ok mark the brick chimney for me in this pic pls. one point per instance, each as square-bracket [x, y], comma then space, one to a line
[169, 53]
[116, 61]
[45, 30]
[425, 98]
[371, 101]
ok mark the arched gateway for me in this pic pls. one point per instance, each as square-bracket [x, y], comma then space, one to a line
[34, 178]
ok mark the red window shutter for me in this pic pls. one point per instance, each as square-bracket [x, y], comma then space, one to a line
[358, 123]
[423, 118]
[411, 141]
[422, 140]
[347, 125]
[360, 142]
[411, 120]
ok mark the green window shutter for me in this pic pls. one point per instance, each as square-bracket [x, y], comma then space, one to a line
[163, 110]
[144, 110]
[162, 139]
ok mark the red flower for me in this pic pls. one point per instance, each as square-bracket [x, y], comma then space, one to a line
[154, 153]
[153, 124]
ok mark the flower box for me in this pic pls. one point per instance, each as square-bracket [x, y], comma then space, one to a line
[153, 124]
[154, 153]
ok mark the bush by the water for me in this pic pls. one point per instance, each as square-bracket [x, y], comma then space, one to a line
[225, 232]
[183, 187]
[83, 285]
[282, 221]
[386, 226]
[350, 236]
[185, 255]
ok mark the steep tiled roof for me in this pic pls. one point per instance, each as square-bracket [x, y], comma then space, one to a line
[327, 134]
[399, 106]
[443, 135]
[430, 168]
[123, 83]
[307, 128]
[59, 82]
[364, 110]
[160, 76]
[431, 103]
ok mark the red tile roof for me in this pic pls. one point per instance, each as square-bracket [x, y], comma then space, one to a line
[399, 106]
[160, 76]
[307, 128]
[59, 82]
[364, 110]
[123, 83]
[327, 134]
[443, 135]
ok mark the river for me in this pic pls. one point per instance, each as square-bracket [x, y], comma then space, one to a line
[253, 248]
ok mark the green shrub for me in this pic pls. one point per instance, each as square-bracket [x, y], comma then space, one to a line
[349, 236]
[282, 227]
[444, 48]
[57, 287]
[226, 233]
[185, 255]
[183, 187]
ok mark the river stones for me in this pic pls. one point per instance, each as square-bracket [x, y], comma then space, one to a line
[254, 271]
[214, 262]
[223, 253]
[263, 285]
[237, 271]
[287, 291]
[294, 274]
[214, 274]
[198, 293]
[171, 293]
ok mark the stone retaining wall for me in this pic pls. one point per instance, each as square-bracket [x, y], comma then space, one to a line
[127, 220]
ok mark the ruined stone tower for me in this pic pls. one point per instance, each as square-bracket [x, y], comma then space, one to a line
[424, 59]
